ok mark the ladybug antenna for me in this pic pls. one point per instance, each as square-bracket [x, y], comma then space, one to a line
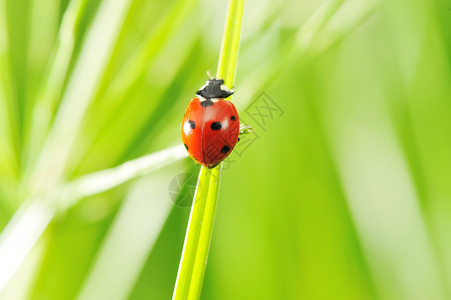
[209, 74]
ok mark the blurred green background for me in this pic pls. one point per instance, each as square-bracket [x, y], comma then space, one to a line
[346, 195]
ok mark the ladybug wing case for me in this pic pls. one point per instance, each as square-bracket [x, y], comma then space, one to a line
[210, 132]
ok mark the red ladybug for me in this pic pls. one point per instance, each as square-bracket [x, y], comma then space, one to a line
[210, 126]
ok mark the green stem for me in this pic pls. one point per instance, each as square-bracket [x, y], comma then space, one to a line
[200, 225]
[231, 42]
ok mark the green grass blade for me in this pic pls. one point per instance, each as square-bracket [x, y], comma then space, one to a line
[186, 269]
[198, 236]
[20, 236]
[156, 39]
[80, 92]
[9, 138]
[49, 92]
[138, 222]
[203, 245]
[231, 42]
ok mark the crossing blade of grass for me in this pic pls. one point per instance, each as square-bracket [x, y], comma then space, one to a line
[98, 182]
[200, 225]
[30, 221]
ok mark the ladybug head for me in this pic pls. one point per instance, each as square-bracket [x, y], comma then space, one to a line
[214, 88]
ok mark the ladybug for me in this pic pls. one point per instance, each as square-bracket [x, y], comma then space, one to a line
[210, 126]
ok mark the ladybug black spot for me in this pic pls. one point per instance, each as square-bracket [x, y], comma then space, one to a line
[206, 103]
[225, 149]
[233, 118]
[215, 126]
[192, 124]
[186, 146]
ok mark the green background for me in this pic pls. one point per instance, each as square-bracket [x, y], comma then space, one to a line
[344, 193]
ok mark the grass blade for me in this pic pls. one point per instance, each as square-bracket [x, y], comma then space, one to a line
[47, 99]
[150, 48]
[80, 92]
[198, 236]
[101, 181]
[8, 115]
[20, 235]
[138, 222]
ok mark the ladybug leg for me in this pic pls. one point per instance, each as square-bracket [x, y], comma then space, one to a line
[245, 129]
